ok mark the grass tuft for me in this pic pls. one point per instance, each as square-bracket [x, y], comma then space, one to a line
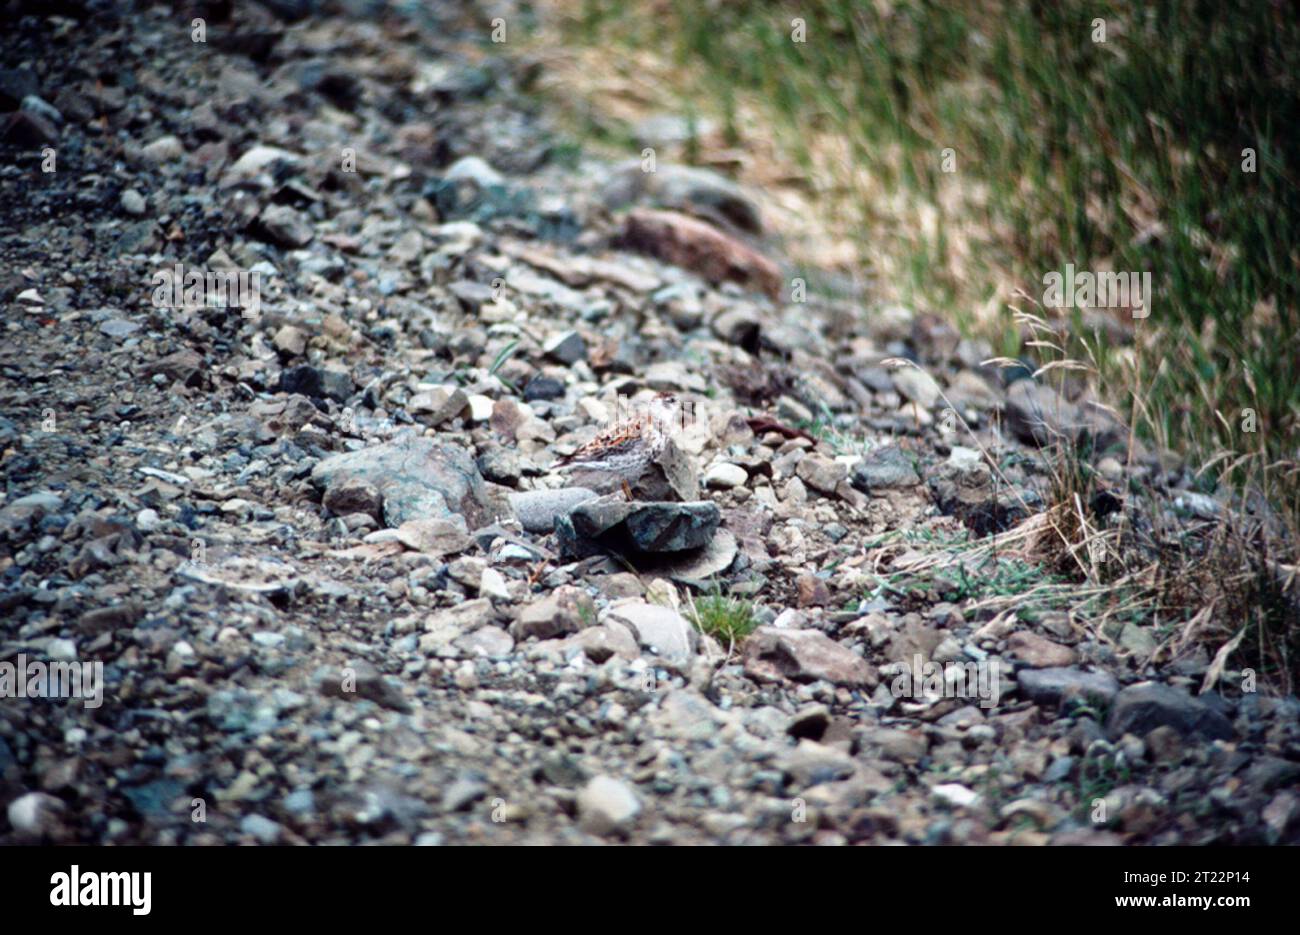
[728, 620]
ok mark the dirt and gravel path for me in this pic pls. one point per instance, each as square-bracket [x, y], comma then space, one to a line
[305, 537]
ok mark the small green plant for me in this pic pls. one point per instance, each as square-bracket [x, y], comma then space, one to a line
[499, 361]
[1099, 775]
[727, 619]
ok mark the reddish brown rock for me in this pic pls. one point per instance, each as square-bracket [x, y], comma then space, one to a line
[1039, 652]
[701, 248]
[773, 654]
[812, 591]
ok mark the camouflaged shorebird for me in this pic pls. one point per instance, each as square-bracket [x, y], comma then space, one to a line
[627, 448]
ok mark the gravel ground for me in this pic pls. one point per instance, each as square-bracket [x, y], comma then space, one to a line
[337, 594]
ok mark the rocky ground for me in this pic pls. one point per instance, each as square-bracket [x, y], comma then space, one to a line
[314, 540]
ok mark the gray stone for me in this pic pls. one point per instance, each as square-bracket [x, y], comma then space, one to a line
[699, 565]
[438, 405]
[773, 654]
[821, 473]
[361, 680]
[291, 340]
[566, 347]
[537, 510]
[317, 382]
[565, 610]
[133, 202]
[163, 149]
[905, 746]
[659, 629]
[36, 814]
[1141, 708]
[1059, 770]
[1038, 414]
[285, 227]
[606, 640]
[739, 326]
[464, 791]
[492, 584]
[673, 527]
[885, 468]
[471, 294]
[492, 642]
[680, 477]
[419, 478]
[473, 169]
[638, 527]
[501, 466]
[1137, 640]
[262, 828]
[353, 495]
[809, 722]
[964, 460]
[438, 537]
[917, 386]
[725, 476]
[698, 191]
[1049, 687]
[118, 327]
[607, 806]
[811, 764]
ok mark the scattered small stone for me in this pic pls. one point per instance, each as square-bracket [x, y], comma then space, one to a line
[286, 227]
[607, 806]
[133, 202]
[119, 328]
[164, 149]
[813, 591]
[955, 794]
[724, 476]
[359, 680]
[822, 474]
[917, 386]
[565, 610]
[317, 382]
[262, 828]
[439, 405]
[291, 339]
[36, 815]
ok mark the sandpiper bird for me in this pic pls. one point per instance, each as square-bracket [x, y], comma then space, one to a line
[626, 448]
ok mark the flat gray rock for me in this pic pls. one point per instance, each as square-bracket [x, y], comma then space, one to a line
[537, 510]
[1141, 708]
[663, 527]
[419, 478]
[1050, 686]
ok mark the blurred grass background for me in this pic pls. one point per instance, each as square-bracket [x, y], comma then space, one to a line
[1123, 151]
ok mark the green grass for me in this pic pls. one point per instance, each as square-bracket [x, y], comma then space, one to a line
[726, 619]
[996, 580]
